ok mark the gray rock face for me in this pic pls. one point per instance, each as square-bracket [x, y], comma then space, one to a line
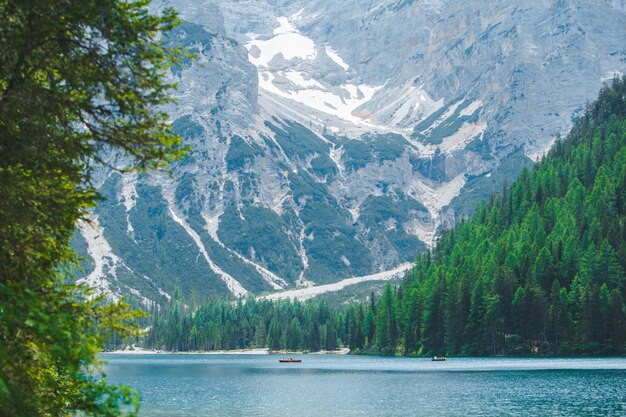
[332, 139]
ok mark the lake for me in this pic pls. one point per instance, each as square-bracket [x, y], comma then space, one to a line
[342, 385]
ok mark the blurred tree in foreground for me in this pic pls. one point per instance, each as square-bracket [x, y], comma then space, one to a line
[78, 80]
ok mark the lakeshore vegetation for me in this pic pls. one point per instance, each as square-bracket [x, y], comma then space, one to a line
[79, 85]
[538, 269]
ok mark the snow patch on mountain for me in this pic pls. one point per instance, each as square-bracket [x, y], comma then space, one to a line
[299, 79]
[313, 291]
[336, 58]
[128, 196]
[301, 281]
[462, 137]
[292, 67]
[399, 107]
[287, 41]
[339, 102]
[469, 110]
[275, 76]
[99, 249]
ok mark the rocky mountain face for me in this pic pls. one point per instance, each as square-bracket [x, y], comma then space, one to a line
[332, 139]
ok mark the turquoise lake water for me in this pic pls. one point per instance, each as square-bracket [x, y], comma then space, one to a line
[341, 385]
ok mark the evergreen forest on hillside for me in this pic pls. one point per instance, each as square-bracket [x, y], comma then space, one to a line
[540, 268]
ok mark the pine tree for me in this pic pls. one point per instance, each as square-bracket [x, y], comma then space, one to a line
[386, 323]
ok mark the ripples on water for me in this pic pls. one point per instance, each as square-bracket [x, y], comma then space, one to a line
[339, 385]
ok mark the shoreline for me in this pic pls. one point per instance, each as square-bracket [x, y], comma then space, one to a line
[263, 351]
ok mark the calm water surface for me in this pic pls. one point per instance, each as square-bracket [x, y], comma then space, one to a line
[340, 385]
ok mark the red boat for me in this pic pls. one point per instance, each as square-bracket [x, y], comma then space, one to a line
[438, 359]
[290, 360]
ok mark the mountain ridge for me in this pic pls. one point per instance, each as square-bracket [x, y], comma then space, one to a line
[280, 191]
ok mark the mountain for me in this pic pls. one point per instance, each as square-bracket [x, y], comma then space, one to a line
[335, 139]
[538, 269]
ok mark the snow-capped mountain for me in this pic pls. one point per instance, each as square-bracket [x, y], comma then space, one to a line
[332, 139]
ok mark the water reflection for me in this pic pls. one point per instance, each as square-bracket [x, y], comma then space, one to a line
[257, 385]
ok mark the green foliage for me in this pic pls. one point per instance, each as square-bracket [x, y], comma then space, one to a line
[160, 248]
[249, 323]
[386, 333]
[384, 217]
[75, 78]
[50, 338]
[330, 232]
[246, 274]
[263, 236]
[323, 166]
[240, 152]
[185, 193]
[370, 148]
[377, 209]
[478, 188]
[356, 154]
[296, 140]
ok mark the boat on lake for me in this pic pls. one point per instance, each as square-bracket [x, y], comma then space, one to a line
[290, 360]
[438, 359]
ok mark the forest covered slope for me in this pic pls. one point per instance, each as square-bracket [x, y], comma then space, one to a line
[540, 267]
